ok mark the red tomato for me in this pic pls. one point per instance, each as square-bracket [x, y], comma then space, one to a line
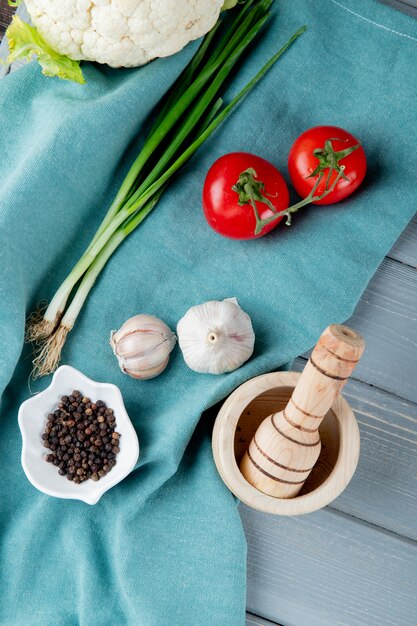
[310, 153]
[221, 202]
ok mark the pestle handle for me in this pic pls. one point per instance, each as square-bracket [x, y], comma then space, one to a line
[287, 444]
[331, 363]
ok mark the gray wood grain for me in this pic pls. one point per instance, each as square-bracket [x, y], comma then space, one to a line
[6, 14]
[386, 315]
[254, 620]
[406, 6]
[326, 569]
[4, 49]
[405, 250]
[383, 490]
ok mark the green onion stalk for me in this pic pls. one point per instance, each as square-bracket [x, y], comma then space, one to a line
[191, 111]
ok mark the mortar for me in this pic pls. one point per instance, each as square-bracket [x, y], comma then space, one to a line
[237, 422]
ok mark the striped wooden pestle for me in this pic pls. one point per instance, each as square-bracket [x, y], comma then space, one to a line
[287, 444]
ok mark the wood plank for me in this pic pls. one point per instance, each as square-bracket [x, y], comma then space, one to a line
[327, 569]
[406, 6]
[6, 14]
[387, 317]
[405, 249]
[383, 490]
[254, 620]
[4, 50]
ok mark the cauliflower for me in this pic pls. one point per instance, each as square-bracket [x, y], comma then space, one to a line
[121, 32]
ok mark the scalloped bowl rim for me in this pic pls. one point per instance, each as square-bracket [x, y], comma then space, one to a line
[89, 491]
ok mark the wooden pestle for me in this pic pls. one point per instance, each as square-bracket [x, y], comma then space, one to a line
[287, 444]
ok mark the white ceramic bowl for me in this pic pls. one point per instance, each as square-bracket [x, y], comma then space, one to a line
[32, 420]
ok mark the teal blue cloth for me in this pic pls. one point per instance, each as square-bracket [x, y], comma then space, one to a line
[165, 547]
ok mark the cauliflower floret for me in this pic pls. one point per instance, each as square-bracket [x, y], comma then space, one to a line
[122, 33]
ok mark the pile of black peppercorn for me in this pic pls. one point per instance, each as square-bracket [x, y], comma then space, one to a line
[82, 438]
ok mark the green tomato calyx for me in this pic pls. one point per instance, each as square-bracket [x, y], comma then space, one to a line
[329, 159]
[250, 191]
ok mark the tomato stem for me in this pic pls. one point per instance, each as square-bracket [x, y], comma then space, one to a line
[329, 159]
[250, 190]
[260, 224]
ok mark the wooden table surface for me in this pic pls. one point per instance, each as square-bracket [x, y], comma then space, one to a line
[355, 562]
[6, 13]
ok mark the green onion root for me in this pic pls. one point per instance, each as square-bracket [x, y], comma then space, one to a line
[38, 326]
[48, 356]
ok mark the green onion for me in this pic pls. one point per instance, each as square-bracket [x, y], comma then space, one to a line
[192, 110]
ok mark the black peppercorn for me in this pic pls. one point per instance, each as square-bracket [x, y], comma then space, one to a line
[76, 451]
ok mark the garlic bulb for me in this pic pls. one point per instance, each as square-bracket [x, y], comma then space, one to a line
[142, 346]
[216, 337]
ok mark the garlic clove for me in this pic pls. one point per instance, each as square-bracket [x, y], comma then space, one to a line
[216, 337]
[147, 360]
[148, 373]
[140, 322]
[142, 346]
[127, 346]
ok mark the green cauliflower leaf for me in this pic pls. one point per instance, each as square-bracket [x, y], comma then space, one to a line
[25, 42]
